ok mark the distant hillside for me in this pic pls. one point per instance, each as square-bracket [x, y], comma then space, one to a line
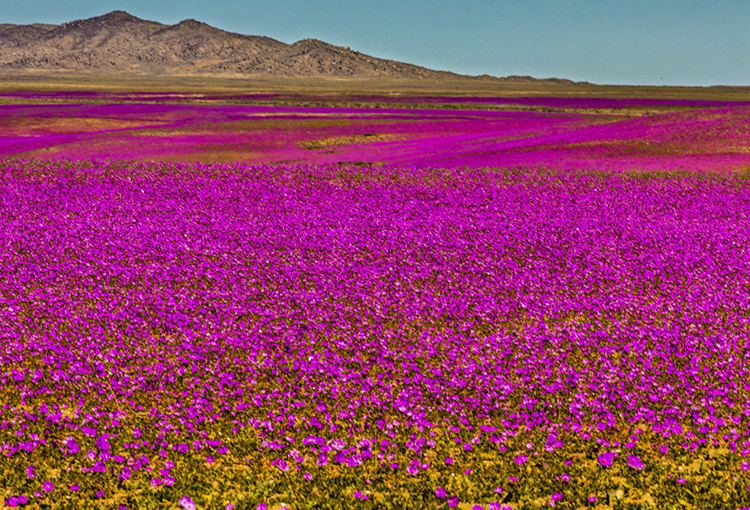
[120, 42]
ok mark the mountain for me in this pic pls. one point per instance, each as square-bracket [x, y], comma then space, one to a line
[118, 42]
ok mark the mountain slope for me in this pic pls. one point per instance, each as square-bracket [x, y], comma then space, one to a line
[119, 41]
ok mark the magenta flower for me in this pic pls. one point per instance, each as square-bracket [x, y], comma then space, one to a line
[440, 492]
[75, 487]
[449, 460]
[187, 503]
[521, 459]
[453, 502]
[48, 486]
[606, 458]
[635, 462]
[30, 472]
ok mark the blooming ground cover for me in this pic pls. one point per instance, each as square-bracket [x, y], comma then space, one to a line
[231, 336]
[587, 133]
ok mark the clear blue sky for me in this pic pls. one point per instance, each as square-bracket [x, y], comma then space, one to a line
[661, 42]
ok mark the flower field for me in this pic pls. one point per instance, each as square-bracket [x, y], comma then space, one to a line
[591, 134]
[234, 336]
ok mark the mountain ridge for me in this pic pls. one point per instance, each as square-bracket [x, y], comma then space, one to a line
[120, 42]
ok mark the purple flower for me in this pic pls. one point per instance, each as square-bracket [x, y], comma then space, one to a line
[187, 503]
[556, 497]
[30, 473]
[360, 495]
[261, 506]
[72, 445]
[75, 487]
[521, 459]
[606, 458]
[449, 460]
[635, 462]
[453, 502]
[230, 506]
[155, 482]
[307, 476]
[412, 470]
[48, 486]
[440, 492]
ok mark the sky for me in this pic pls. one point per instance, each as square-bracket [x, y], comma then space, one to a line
[629, 42]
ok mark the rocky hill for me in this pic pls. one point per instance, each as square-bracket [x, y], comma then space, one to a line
[119, 41]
